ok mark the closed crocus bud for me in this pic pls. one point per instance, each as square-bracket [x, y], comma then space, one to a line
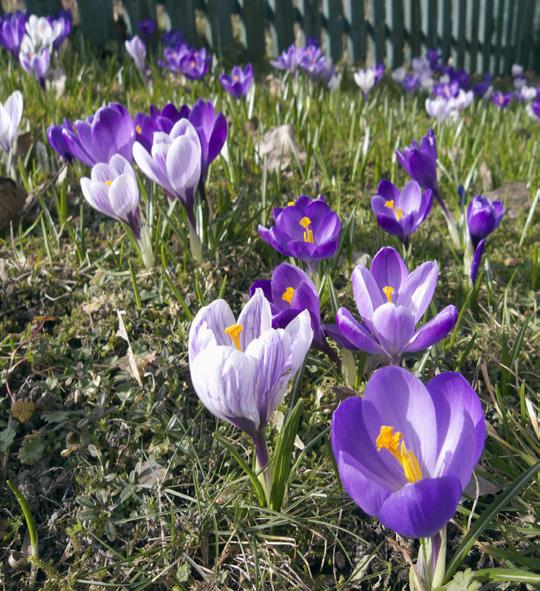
[12, 31]
[391, 301]
[306, 229]
[10, 117]
[137, 50]
[483, 216]
[420, 161]
[238, 83]
[405, 451]
[110, 131]
[401, 213]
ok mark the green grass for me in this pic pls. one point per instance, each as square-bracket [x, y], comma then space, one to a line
[130, 487]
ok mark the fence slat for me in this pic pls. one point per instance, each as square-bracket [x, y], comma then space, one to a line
[462, 33]
[334, 27]
[525, 22]
[253, 13]
[219, 17]
[415, 35]
[474, 36]
[509, 42]
[488, 35]
[499, 37]
[447, 29]
[379, 14]
[311, 15]
[432, 10]
[182, 15]
[283, 23]
[398, 31]
[43, 7]
[96, 21]
[356, 41]
[137, 11]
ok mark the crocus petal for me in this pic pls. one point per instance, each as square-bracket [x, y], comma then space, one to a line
[208, 327]
[183, 165]
[255, 318]
[433, 331]
[410, 199]
[97, 195]
[124, 196]
[418, 289]
[367, 293]
[420, 510]
[225, 381]
[355, 333]
[393, 327]
[301, 335]
[388, 268]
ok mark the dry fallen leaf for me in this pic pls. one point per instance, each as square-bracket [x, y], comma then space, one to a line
[278, 147]
[12, 201]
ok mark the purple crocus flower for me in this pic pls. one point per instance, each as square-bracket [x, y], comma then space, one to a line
[290, 291]
[147, 27]
[158, 120]
[239, 82]
[289, 59]
[405, 451]
[534, 109]
[306, 229]
[501, 99]
[12, 31]
[240, 369]
[36, 63]
[196, 64]
[112, 189]
[137, 50]
[411, 82]
[391, 301]
[62, 23]
[172, 38]
[110, 131]
[400, 213]
[483, 87]
[483, 216]
[477, 259]
[420, 161]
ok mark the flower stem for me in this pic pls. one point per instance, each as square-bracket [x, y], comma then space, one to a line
[261, 465]
[450, 220]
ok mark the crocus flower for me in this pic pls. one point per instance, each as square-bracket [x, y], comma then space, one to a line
[40, 32]
[365, 79]
[12, 31]
[62, 23]
[534, 109]
[10, 117]
[239, 82]
[137, 50]
[483, 216]
[306, 229]
[400, 213]
[112, 189]
[289, 59]
[483, 88]
[147, 27]
[290, 291]
[391, 301]
[411, 82]
[36, 63]
[240, 369]
[196, 64]
[172, 38]
[212, 129]
[501, 99]
[158, 120]
[441, 109]
[405, 451]
[110, 131]
[420, 161]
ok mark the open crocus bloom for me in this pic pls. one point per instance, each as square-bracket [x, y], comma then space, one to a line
[240, 369]
[112, 189]
[306, 229]
[483, 216]
[239, 82]
[400, 213]
[10, 117]
[290, 291]
[391, 301]
[405, 451]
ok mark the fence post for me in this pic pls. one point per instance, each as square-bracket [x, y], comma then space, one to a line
[96, 21]
[311, 18]
[139, 10]
[43, 7]
[488, 35]
[283, 26]
[219, 17]
[182, 15]
[356, 17]
[254, 24]
[334, 27]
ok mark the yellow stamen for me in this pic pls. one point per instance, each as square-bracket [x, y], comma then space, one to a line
[288, 295]
[305, 222]
[388, 292]
[392, 442]
[138, 129]
[233, 332]
[108, 183]
[291, 203]
[390, 204]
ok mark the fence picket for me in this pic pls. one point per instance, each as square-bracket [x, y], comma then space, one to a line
[334, 27]
[510, 42]
[379, 15]
[253, 16]
[488, 35]
[219, 17]
[96, 21]
[43, 7]
[182, 15]
[447, 29]
[475, 22]
[311, 18]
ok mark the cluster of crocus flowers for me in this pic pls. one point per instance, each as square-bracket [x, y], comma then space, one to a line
[183, 59]
[112, 189]
[309, 59]
[401, 213]
[96, 139]
[239, 82]
[391, 301]
[405, 451]
[483, 217]
[240, 368]
[306, 229]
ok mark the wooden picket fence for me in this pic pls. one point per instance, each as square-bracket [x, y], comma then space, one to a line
[480, 35]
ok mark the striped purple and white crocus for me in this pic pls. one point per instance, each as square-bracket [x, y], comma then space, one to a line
[240, 368]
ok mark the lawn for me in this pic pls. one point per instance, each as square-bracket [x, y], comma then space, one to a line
[131, 482]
